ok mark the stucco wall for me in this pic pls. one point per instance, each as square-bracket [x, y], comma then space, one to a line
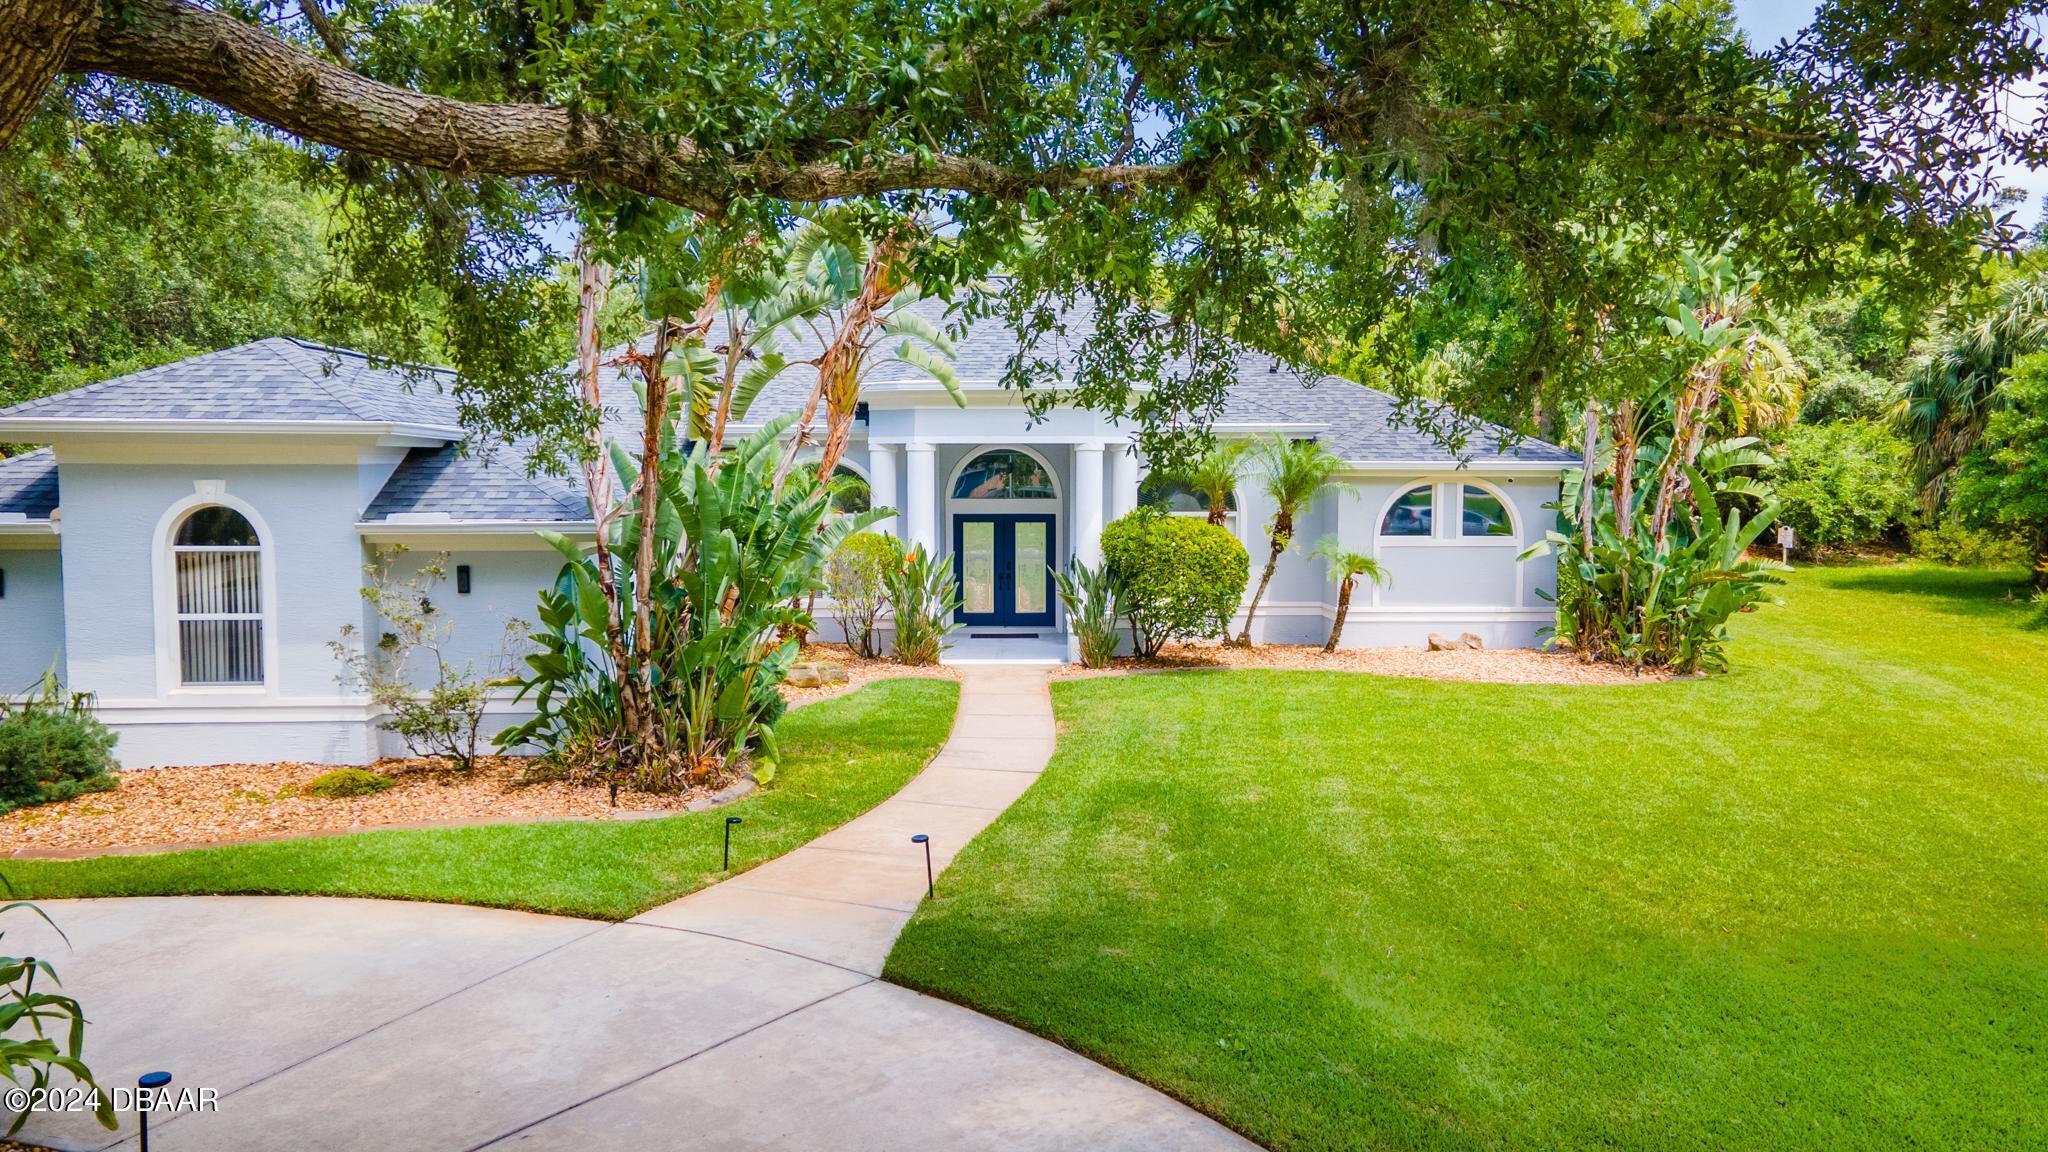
[505, 585]
[31, 615]
[112, 518]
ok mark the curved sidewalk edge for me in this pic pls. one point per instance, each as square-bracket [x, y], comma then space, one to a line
[747, 1015]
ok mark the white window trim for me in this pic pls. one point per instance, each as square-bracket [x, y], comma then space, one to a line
[1447, 516]
[163, 562]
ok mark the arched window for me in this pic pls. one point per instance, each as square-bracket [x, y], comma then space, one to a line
[1178, 498]
[1003, 474]
[217, 562]
[1412, 514]
[1484, 514]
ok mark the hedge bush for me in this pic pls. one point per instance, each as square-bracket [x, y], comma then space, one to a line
[51, 753]
[1842, 484]
[1961, 546]
[1182, 578]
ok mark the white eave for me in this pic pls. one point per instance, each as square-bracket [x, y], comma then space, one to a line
[1491, 465]
[428, 524]
[48, 429]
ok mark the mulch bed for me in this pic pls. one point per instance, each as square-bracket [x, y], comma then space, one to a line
[232, 802]
[159, 808]
[1484, 665]
[860, 671]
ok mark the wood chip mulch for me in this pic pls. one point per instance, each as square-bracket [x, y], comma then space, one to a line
[158, 808]
[1486, 665]
[232, 802]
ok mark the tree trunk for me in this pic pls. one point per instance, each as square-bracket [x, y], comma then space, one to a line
[1343, 610]
[1587, 494]
[654, 415]
[1283, 531]
[1625, 468]
[597, 487]
[840, 371]
[36, 37]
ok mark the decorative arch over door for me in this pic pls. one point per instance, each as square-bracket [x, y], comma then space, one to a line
[1003, 502]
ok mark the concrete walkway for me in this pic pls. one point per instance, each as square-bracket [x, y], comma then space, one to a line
[745, 1016]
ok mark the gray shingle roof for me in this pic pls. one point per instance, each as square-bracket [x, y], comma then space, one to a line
[443, 481]
[274, 379]
[286, 379]
[28, 484]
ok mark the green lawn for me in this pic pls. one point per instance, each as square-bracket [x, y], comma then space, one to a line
[840, 758]
[1802, 905]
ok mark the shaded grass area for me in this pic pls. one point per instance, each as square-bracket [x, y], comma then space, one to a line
[840, 758]
[1802, 905]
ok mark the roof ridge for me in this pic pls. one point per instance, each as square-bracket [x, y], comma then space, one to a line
[347, 398]
[97, 385]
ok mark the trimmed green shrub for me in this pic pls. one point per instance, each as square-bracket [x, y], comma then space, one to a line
[346, 783]
[51, 750]
[1961, 546]
[1182, 578]
[1842, 484]
[857, 579]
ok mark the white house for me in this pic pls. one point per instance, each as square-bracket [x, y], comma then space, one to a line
[195, 534]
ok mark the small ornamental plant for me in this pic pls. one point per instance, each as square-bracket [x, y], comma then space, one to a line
[346, 784]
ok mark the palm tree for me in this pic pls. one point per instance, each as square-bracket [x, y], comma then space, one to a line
[1346, 567]
[1296, 471]
[1950, 394]
[1215, 475]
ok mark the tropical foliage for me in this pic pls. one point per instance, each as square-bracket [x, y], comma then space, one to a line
[42, 1032]
[1215, 475]
[1653, 564]
[857, 579]
[923, 596]
[1952, 392]
[1841, 484]
[2002, 486]
[731, 558]
[1293, 473]
[1346, 566]
[1181, 579]
[1094, 600]
[52, 747]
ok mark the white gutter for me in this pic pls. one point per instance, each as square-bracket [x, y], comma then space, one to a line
[442, 524]
[1475, 466]
[39, 429]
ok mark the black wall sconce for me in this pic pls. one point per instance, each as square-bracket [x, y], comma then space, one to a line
[462, 579]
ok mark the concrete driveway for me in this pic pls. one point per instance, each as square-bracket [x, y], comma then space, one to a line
[746, 1016]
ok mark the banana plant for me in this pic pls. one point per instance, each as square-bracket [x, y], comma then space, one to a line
[870, 288]
[732, 559]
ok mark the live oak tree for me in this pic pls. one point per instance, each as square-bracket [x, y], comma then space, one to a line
[1297, 175]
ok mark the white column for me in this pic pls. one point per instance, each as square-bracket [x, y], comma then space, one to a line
[920, 498]
[1088, 504]
[882, 488]
[1123, 479]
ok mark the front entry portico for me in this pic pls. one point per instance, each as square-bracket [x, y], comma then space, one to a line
[1003, 566]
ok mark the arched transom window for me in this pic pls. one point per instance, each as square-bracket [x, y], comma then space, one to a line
[1004, 474]
[1179, 498]
[217, 562]
[1413, 514]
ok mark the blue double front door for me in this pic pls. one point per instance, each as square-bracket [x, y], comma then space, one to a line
[1004, 566]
